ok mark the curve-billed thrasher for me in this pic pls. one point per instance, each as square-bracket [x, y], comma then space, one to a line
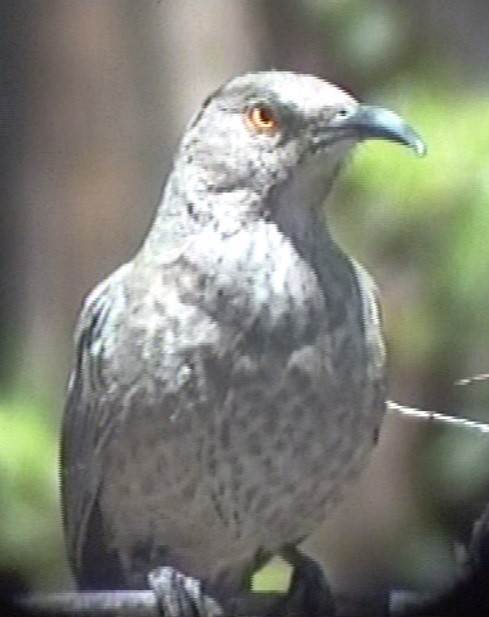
[229, 380]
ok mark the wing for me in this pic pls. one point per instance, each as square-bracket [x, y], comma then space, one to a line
[374, 336]
[89, 415]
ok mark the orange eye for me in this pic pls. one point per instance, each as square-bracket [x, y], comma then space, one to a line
[261, 119]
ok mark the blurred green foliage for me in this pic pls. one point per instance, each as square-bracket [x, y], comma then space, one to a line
[29, 521]
[274, 576]
[429, 219]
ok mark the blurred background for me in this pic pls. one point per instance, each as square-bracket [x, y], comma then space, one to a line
[93, 97]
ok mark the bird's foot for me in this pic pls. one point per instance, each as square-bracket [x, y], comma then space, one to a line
[181, 596]
[309, 593]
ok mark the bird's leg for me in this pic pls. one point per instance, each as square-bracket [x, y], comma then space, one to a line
[309, 593]
[181, 596]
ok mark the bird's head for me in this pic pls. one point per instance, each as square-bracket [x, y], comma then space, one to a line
[279, 133]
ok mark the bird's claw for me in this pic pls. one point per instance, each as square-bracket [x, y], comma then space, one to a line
[181, 596]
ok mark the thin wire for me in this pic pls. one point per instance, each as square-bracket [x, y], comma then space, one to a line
[436, 416]
[467, 381]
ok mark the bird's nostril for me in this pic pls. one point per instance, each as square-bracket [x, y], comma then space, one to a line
[343, 113]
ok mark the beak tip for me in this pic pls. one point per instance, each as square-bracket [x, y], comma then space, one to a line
[419, 147]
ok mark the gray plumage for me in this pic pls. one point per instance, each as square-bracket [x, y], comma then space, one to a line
[229, 380]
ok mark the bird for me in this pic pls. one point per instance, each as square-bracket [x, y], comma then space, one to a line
[229, 380]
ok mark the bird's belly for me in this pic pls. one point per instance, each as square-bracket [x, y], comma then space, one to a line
[281, 483]
[249, 465]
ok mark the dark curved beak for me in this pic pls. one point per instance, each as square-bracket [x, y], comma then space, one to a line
[368, 122]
